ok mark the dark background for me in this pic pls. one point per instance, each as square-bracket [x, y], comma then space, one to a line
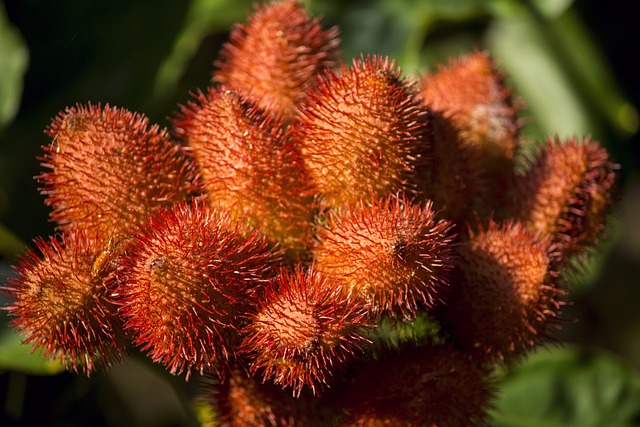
[111, 52]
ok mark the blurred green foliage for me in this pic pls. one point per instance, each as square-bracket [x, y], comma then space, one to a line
[569, 387]
[148, 56]
[13, 63]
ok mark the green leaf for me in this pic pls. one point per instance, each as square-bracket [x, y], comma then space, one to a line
[521, 48]
[144, 394]
[203, 18]
[394, 332]
[16, 356]
[567, 387]
[562, 76]
[551, 8]
[13, 64]
[206, 415]
[399, 28]
[594, 79]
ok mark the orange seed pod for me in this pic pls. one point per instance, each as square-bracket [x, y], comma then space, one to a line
[250, 167]
[472, 92]
[362, 132]
[245, 401]
[453, 176]
[567, 193]
[109, 170]
[395, 255]
[426, 386]
[64, 306]
[189, 275]
[507, 299]
[304, 332]
[274, 56]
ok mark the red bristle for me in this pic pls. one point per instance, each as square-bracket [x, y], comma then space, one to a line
[305, 331]
[362, 132]
[394, 254]
[188, 275]
[108, 170]
[63, 305]
[274, 57]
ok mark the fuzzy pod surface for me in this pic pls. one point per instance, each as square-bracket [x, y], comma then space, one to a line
[394, 254]
[452, 177]
[250, 167]
[190, 273]
[362, 131]
[471, 89]
[567, 192]
[508, 298]
[108, 169]
[245, 401]
[305, 331]
[274, 57]
[62, 303]
[423, 386]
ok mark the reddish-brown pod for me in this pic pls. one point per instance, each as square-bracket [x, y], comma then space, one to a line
[61, 302]
[507, 299]
[189, 275]
[108, 169]
[362, 131]
[425, 386]
[453, 176]
[472, 92]
[250, 167]
[275, 55]
[245, 401]
[567, 192]
[392, 253]
[305, 331]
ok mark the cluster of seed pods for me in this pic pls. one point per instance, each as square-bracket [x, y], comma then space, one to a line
[301, 224]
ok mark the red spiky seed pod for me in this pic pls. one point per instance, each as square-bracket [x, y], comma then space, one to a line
[305, 331]
[61, 302]
[362, 131]
[276, 54]
[394, 254]
[250, 167]
[567, 192]
[507, 299]
[188, 275]
[245, 401]
[109, 170]
[471, 91]
[427, 386]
